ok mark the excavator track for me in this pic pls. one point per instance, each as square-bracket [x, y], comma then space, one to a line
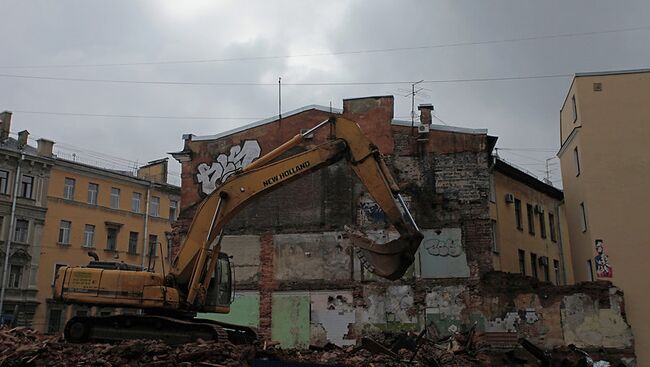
[168, 329]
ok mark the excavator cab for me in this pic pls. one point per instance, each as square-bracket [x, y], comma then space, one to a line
[221, 290]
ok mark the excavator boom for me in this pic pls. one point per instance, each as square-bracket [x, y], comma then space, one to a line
[195, 262]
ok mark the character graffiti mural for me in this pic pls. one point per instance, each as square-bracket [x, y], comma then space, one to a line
[603, 268]
[224, 166]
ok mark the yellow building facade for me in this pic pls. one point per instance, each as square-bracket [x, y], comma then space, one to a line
[604, 135]
[119, 217]
[528, 225]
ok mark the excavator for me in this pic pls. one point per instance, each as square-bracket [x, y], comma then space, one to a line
[164, 306]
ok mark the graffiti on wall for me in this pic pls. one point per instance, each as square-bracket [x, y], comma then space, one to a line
[603, 268]
[224, 166]
[443, 246]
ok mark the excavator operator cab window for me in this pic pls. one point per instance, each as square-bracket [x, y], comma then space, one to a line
[220, 291]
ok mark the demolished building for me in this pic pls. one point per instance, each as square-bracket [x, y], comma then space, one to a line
[300, 282]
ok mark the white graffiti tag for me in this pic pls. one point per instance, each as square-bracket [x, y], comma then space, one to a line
[443, 247]
[226, 165]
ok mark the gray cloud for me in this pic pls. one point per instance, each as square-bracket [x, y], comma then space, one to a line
[523, 113]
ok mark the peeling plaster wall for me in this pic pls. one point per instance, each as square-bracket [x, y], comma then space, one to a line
[311, 257]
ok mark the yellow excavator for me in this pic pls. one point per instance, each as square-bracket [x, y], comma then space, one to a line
[201, 277]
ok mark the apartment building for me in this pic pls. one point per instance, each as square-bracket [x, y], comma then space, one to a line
[528, 225]
[24, 176]
[115, 215]
[604, 135]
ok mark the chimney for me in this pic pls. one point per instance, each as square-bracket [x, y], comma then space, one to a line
[22, 139]
[44, 147]
[425, 113]
[5, 125]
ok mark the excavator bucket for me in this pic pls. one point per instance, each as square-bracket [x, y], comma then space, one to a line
[389, 260]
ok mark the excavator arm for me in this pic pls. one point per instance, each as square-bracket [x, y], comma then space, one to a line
[194, 266]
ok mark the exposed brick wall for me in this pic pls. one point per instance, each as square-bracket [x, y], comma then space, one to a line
[267, 285]
[374, 115]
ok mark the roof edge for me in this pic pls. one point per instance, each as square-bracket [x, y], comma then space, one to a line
[455, 129]
[266, 121]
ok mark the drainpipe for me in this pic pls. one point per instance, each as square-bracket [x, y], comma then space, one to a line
[146, 225]
[9, 238]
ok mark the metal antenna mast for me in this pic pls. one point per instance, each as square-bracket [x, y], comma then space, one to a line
[413, 92]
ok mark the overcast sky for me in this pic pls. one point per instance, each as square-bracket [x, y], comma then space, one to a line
[523, 113]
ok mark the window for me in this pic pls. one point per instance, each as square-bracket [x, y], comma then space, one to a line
[522, 261]
[547, 276]
[533, 265]
[111, 239]
[590, 271]
[133, 243]
[93, 192]
[493, 190]
[64, 232]
[154, 207]
[173, 208]
[518, 214]
[54, 320]
[153, 242]
[4, 180]
[556, 269]
[169, 245]
[576, 160]
[551, 226]
[26, 186]
[89, 236]
[15, 276]
[115, 198]
[135, 202]
[583, 215]
[68, 188]
[575, 108]
[531, 219]
[542, 224]
[56, 271]
[495, 245]
[20, 234]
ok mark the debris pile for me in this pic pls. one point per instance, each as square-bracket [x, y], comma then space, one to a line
[26, 347]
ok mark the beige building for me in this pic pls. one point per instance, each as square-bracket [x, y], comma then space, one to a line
[604, 135]
[24, 176]
[119, 217]
[529, 230]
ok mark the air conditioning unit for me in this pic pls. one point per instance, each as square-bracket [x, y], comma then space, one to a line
[510, 198]
[539, 209]
[543, 261]
[423, 129]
